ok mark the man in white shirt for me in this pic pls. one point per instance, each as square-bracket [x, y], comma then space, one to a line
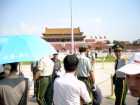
[68, 90]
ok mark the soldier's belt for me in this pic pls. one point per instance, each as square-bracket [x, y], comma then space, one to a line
[120, 78]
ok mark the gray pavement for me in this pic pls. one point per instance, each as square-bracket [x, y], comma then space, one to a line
[106, 101]
[103, 72]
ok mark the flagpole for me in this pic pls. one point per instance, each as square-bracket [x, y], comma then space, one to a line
[72, 36]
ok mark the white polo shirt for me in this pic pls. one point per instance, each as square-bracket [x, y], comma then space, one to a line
[68, 90]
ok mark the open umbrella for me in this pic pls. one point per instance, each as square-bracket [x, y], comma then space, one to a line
[19, 48]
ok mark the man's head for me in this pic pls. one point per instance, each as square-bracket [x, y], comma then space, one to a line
[117, 50]
[88, 47]
[132, 71]
[70, 63]
[82, 48]
[12, 67]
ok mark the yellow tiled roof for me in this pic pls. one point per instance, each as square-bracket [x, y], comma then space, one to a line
[61, 31]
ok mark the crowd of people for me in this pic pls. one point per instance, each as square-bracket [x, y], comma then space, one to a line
[76, 87]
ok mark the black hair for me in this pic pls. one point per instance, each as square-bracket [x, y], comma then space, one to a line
[70, 63]
[13, 66]
[82, 49]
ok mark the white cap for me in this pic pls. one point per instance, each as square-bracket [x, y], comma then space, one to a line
[133, 66]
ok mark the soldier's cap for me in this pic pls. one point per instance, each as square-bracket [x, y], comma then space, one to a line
[117, 47]
[82, 48]
[133, 66]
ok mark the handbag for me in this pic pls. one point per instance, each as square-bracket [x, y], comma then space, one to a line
[97, 95]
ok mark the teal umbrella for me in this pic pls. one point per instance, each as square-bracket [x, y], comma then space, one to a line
[20, 48]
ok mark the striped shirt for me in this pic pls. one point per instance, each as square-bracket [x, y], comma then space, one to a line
[84, 66]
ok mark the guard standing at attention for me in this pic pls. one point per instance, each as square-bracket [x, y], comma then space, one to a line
[119, 79]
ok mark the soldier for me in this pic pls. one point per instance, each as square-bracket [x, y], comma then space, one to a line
[44, 83]
[119, 79]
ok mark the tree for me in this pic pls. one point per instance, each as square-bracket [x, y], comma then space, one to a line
[108, 42]
[115, 42]
[136, 42]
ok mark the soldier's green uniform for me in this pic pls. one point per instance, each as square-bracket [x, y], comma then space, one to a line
[45, 82]
[119, 78]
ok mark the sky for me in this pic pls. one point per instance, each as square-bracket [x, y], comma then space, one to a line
[115, 19]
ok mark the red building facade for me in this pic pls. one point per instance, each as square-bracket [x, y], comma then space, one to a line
[60, 38]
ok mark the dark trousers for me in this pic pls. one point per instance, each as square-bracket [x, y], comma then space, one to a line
[120, 91]
[44, 90]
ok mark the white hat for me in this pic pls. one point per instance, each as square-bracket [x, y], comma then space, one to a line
[133, 66]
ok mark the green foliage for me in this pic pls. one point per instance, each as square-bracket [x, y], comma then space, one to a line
[25, 63]
[108, 58]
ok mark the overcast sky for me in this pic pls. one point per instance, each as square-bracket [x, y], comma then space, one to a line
[115, 19]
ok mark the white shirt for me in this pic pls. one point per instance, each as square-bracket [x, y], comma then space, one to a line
[45, 65]
[68, 90]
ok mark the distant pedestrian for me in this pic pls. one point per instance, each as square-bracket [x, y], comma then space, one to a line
[96, 55]
[68, 89]
[132, 71]
[90, 55]
[119, 80]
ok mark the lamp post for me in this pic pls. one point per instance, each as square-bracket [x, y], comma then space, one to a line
[72, 36]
